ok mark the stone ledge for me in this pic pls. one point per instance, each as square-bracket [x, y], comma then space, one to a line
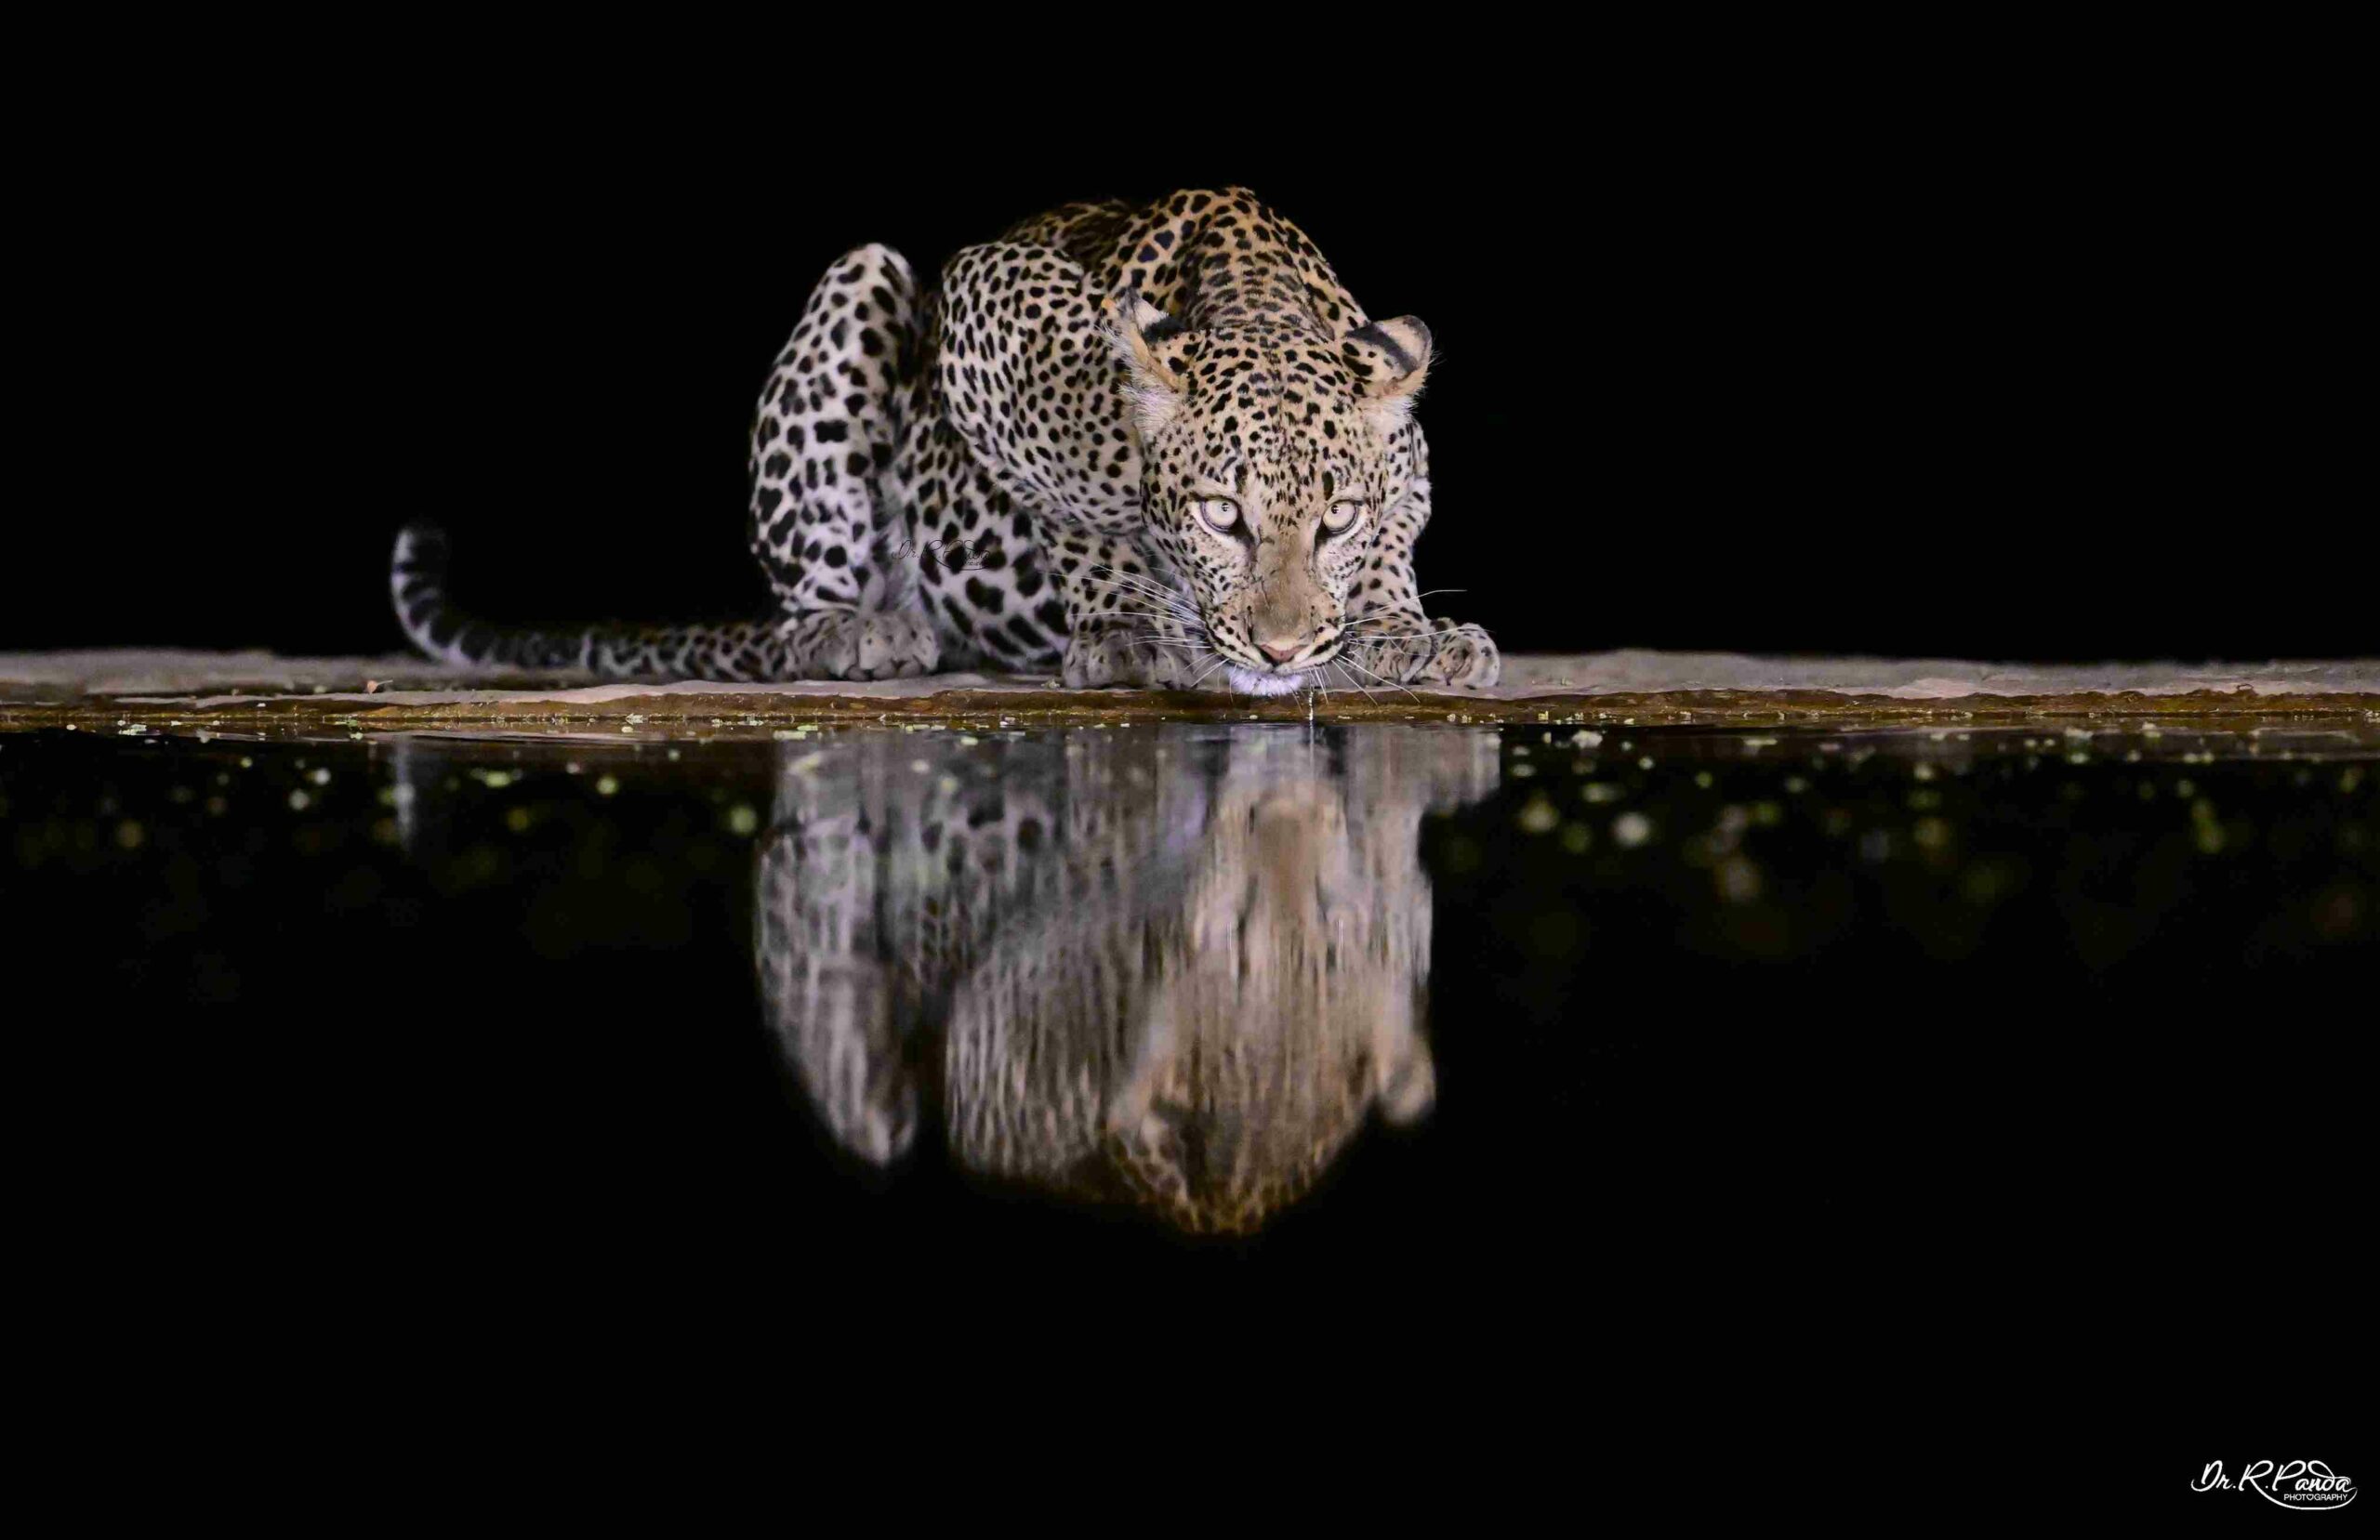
[258, 692]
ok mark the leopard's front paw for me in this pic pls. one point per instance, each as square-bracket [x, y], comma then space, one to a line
[1440, 653]
[1105, 655]
[854, 644]
[1466, 658]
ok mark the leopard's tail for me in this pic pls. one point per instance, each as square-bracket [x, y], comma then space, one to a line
[738, 650]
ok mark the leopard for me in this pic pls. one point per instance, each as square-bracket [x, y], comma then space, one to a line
[1136, 970]
[1153, 445]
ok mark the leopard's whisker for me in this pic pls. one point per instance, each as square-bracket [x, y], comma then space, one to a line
[1372, 623]
[1156, 612]
[1351, 681]
[1158, 601]
[1187, 620]
[1386, 683]
[1170, 639]
[1132, 583]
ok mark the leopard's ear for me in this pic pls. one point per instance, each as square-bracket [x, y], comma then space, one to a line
[1389, 360]
[1149, 341]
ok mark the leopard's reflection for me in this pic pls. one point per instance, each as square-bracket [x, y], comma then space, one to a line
[1175, 968]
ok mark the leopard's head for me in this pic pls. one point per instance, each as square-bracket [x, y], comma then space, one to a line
[1265, 468]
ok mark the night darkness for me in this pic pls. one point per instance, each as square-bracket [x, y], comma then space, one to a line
[1910, 366]
[2022, 348]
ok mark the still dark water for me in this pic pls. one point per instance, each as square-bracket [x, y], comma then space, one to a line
[1918, 1037]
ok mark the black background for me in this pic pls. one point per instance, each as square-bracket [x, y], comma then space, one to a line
[2014, 346]
[1999, 347]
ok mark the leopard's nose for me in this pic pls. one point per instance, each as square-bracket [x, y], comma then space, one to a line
[1279, 654]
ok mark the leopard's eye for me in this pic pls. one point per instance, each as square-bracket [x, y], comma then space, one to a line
[1340, 515]
[1219, 512]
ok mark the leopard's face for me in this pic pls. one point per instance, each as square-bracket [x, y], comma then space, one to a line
[1264, 469]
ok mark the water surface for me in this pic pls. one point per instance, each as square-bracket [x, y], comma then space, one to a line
[1674, 1023]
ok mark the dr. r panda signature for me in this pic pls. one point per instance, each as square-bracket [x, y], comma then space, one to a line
[2298, 1484]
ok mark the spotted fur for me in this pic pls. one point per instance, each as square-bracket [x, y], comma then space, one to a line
[1182, 977]
[1157, 445]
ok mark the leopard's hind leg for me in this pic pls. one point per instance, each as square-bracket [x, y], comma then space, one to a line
[830, 423]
